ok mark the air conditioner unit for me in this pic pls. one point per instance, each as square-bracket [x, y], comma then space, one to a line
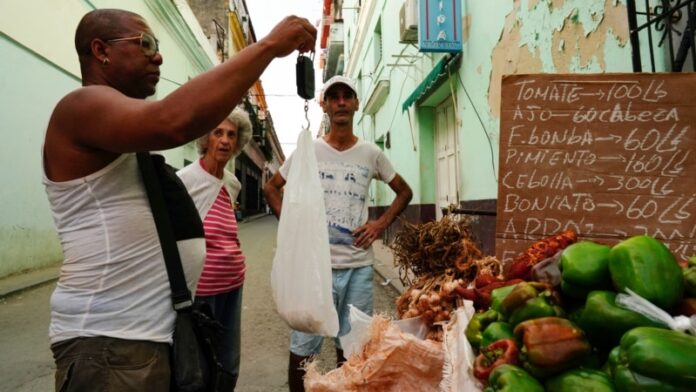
[408, 22]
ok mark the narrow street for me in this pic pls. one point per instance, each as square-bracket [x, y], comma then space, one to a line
[265, 337]
[27, 365]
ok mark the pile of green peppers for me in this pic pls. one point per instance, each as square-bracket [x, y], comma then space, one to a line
[574, 336]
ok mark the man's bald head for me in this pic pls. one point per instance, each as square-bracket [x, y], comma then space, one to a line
[103, 24]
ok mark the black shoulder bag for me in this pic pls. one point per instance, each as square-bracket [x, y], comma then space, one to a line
[194, 364]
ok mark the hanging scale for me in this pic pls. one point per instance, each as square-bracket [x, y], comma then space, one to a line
[304, 77]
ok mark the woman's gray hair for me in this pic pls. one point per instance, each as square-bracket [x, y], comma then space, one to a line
[240, 118]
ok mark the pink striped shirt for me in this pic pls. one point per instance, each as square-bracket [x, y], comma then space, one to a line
[224, 264]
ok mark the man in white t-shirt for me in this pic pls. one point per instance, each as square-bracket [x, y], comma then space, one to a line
[347, 165]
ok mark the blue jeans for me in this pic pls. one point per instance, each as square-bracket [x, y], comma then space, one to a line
[349, 286]
[227, 308]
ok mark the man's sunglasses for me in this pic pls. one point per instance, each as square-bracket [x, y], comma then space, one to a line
[148, 43]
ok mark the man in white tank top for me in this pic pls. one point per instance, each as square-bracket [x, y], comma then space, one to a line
[111, 312]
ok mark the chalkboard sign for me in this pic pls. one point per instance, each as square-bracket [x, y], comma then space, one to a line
[606, 155]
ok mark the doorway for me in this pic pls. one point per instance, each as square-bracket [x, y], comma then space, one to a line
[447, 152]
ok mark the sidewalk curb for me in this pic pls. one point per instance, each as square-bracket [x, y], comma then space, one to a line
[22, 281]
[254, 217]
[16, 283]
[19, 282]
[395, 284]
[384, 266]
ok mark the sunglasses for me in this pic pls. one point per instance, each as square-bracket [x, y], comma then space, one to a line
[148, 43]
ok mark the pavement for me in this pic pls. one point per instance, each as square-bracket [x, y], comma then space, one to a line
[384, 266]
[27, 364]
[16, 283]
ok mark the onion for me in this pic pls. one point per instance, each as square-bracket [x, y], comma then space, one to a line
[415, 293]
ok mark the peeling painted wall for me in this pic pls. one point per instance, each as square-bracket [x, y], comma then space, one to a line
[526, 36]
[499, 37]
[558, 36]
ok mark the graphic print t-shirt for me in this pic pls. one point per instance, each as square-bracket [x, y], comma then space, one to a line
[345, 177]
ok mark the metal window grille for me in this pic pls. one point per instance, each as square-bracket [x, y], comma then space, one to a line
[666, 28]
[221, 38]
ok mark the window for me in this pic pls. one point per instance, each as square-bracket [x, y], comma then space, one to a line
[359, 84]
[666, 30]
[377, 44]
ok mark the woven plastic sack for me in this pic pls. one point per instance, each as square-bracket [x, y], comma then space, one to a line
[390, 361]
[301, 272]
[359, 334]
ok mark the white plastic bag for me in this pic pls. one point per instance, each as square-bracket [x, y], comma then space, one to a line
[638, 304]
[301, 273]
[359, 333]
[457, 374]
[416, 326]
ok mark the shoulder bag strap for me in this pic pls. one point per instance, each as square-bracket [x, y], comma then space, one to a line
[181, 296]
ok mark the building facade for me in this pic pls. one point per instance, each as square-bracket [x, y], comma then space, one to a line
[38, 66]
[436, 114]
[229, 29]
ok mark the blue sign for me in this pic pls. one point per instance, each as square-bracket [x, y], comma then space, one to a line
[439, 27]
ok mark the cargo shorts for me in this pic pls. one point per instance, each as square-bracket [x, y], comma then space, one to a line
[110, 364]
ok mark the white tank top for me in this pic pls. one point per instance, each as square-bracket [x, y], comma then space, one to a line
[113, 281]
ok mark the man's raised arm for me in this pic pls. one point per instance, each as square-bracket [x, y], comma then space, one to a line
[127, 124]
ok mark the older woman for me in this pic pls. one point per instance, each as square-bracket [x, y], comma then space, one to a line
[214, 190]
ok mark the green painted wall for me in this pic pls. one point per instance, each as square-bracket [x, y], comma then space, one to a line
[27, 237]
[426, 170]
[38, 66]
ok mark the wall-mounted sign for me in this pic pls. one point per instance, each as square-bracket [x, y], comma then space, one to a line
[440, 28]
[608, 156]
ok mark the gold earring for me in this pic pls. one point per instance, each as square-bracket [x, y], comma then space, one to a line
[105, 62]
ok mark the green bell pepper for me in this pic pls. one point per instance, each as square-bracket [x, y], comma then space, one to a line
[520, 294]
[551, 345]
[580, 380]
[498, 295]
[575, 313]
[510, 378]
[529, 301]
[652, 359]
[497, 330]
[612, 360]
[646, 266]
[690, 277]
[595, 360]
[585, 267]
[534, 308]
[478, 323]
[605, 322]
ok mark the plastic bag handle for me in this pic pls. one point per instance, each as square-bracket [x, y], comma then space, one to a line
[638, 304]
